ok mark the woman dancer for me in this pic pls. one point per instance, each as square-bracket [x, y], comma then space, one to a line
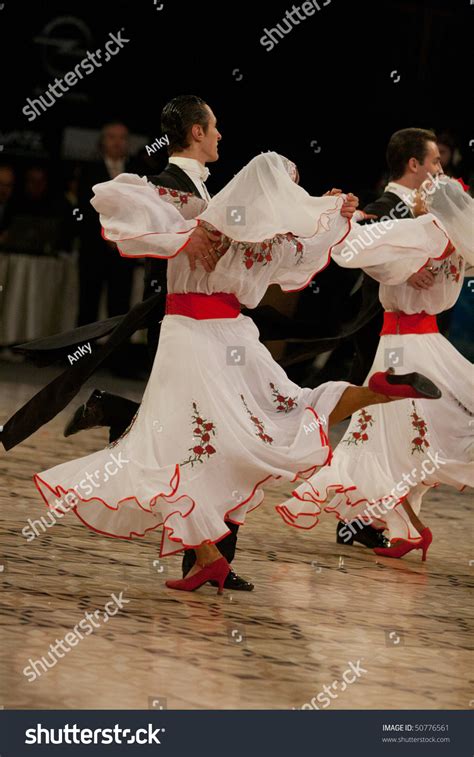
[391, 455]
[219, 417]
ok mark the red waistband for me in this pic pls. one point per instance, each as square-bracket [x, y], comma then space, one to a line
[402, 323]
[202, 306]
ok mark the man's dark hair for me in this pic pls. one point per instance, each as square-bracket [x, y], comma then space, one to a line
[406, 144]
[177, 118]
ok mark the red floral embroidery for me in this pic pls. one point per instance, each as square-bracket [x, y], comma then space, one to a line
[419, 443]
[178, 198]
[203, 429]
[259, 425]
[284, 404]
[364, 420]
[261, 252]
[452, 267]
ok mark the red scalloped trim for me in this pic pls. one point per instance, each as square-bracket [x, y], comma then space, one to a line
[148, 254]
[448, 250]
[174, 484]
[298, 289]
[291, 519]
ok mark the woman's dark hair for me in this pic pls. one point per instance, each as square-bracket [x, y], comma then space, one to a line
[179, 116]
[406, 144]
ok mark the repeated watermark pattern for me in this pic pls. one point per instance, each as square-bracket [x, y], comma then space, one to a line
[36, 107]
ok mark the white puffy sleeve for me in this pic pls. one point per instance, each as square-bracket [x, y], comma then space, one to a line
[144, 220]
[391, 251]
[299, 259]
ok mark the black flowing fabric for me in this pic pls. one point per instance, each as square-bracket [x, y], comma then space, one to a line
[54, 397]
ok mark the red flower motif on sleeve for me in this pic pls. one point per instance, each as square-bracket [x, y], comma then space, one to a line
[177, 198]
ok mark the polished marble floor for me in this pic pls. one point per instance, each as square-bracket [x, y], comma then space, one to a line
[316, 608]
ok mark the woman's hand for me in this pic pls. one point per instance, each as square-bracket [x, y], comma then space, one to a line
[419, 206]
[349, 206]
[201, 248]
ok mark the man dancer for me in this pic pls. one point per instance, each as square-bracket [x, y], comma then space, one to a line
[412, 156]
[190, 126]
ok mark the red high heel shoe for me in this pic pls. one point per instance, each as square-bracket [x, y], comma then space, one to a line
[215, 571]
[413, 385]
[402, 547]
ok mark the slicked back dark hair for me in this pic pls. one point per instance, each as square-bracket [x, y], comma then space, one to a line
[177, 118]
[406, 144]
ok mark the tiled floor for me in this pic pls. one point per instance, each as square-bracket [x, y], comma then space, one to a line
[316, 607]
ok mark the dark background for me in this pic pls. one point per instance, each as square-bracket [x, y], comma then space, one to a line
[328, 80]
[324, 96]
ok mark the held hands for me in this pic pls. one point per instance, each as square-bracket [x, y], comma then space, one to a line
[421, 279]
[203, 247]
[349, 205]
[419, 206]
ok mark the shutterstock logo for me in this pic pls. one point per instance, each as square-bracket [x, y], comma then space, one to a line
[86, 65]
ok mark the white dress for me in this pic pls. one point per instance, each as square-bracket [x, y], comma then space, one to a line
[219, 417]
[401, 449]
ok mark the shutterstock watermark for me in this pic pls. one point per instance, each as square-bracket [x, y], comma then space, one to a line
[63, 505]
[87, 625]
[73, 734]
[370, 233]
[325, 697]
[377, 510]
[292, 18]
[86, 65]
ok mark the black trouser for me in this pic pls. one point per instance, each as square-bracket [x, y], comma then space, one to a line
[101, 265]
[118, 414]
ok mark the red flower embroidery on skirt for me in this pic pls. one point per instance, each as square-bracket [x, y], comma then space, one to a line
[284, 403]
[364, 420]
[203, 430]
[259, 425]
[419, 443]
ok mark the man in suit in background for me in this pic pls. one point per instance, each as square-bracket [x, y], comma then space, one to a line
[412, 156]
[99, 262]
[190, 126]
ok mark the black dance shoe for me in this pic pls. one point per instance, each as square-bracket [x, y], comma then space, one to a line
[235, 582]
[367, 535]
[88, 415]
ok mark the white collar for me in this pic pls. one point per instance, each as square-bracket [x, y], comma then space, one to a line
[192, 166]
[401, 192]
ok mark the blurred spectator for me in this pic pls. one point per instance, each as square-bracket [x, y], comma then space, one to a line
[99, 261]
[449, 155]
[37, 220]
[7, 183]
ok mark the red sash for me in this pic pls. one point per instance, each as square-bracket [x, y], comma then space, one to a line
[402, 323]
[202, 306]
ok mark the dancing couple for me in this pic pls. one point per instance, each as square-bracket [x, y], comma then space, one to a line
[219, 417]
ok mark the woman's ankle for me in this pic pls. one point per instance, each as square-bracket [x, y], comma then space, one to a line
[207, 554]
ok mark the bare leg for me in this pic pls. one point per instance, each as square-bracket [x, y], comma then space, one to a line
[355, 398]
[205, 554]
[414, 519]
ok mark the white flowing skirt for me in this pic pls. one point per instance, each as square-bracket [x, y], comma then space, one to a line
[399, 449]
[218, 420]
